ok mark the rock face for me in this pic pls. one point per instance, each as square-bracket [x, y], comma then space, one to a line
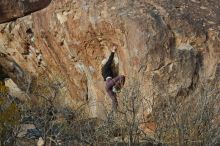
[170, 47]
[12, 9]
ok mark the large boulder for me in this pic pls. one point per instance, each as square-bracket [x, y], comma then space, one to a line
[168, 46]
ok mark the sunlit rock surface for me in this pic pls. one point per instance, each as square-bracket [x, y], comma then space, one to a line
[170, 47]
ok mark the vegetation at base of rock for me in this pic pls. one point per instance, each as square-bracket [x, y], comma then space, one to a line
[59, 125]
[9, 115]
[181, 120]
[189, 120]
[73, 126]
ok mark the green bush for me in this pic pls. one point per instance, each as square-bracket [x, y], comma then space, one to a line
[9, 115]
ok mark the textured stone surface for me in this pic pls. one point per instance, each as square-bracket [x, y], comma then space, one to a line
[13, 9]
[170, 46]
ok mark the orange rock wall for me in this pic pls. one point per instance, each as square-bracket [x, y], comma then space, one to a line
[170, 47]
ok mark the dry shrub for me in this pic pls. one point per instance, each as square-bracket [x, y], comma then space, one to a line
[189, 120]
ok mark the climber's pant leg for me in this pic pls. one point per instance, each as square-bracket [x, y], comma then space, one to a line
[119, 81]
[114, 103]
[112, 95]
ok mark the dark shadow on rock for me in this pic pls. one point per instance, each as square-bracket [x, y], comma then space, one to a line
[11, 9]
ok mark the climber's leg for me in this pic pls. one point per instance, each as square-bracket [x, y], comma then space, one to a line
[119, 81]
[114, 103]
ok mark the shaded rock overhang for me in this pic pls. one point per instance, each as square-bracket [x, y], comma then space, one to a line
[13, 9]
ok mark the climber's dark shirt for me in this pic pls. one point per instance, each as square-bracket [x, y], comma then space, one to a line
[107, 68]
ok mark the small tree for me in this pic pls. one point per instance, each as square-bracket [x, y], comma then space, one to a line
[132, 114]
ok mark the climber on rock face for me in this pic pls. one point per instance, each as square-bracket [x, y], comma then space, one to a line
[113, 84]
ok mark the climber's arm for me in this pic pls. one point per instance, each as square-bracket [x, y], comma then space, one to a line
[111, 57]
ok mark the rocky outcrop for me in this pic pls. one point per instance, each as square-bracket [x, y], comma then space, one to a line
[13, 9]
[168, 46]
